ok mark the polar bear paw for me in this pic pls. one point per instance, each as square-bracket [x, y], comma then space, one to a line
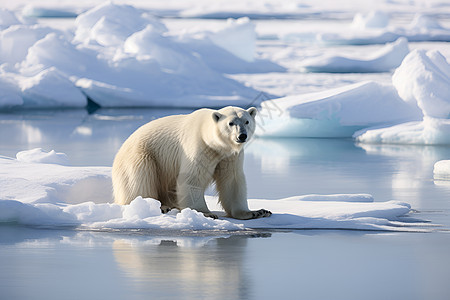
[165, 209]
[262, 213]
[210, 215]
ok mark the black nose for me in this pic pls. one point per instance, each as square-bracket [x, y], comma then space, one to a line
[242, 137]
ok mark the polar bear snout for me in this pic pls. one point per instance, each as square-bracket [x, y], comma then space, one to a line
[242, 138]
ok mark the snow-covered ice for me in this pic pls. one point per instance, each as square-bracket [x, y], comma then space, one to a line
[334, 113]
[423, 79]
[37, 190]
[121, 56]
[413, 110]
[38, 155]
[430, 131]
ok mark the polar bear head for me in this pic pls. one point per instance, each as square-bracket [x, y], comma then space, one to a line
[235, 125]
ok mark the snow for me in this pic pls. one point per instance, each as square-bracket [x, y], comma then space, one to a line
[121, 56]
[230, 38]
[385, 59]
[424, 80]
[38, 191]
[38, 155]
[415, 109]
[430, 131]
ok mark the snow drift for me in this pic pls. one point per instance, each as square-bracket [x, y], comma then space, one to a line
[50, 194]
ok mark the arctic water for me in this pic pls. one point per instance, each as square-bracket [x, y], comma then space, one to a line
[45, 263]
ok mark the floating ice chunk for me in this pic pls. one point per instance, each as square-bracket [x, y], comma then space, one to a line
[238, 37]
[374, 19]
[383, 60]
[430, 131]
[423, 79]
[38, 155]
[333, 113]
[442, 170]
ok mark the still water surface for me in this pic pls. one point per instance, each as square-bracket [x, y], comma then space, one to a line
[305, 264]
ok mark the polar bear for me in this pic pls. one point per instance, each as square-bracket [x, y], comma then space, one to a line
[175, 158]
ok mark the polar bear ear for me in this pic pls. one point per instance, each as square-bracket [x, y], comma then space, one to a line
[216, 116]
[252, 111]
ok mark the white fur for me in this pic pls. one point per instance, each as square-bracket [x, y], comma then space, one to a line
[175, 158]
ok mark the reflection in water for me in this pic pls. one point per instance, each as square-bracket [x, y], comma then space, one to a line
[286, 167]
[210, 268]
[74, 132]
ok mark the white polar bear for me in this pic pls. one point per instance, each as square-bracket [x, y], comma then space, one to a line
[175, 158]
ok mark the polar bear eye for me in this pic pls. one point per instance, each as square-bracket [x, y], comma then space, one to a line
[231, 123]
[246, 122]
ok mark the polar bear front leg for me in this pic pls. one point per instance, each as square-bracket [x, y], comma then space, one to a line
[191, 193]
[231, 185]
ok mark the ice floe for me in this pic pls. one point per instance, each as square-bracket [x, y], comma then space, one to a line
[50, 194]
